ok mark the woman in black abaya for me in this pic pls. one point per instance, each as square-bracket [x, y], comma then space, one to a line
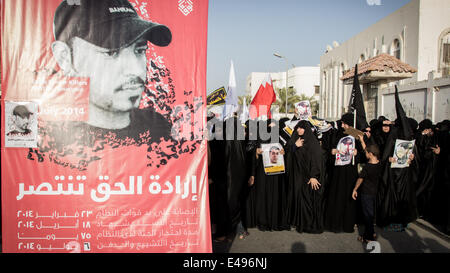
[249, 198]
[305, 180]
[440, 198]
[270, 190]
[427, 156]
[340, 214]
[381, 132]
[396, 198]
[228, 176]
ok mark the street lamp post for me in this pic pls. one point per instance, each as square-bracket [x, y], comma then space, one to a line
[287, 73]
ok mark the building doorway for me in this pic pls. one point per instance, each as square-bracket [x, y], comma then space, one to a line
[370, 98]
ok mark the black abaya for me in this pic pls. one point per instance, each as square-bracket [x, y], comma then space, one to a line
[305, 205]
[249, 198]
[440, 200]
[340, 214]
[427, 160]
[228, 175]
[269, 193]
[396, 198]
[235, 172]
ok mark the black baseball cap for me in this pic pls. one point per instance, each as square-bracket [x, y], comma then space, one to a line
[111, 24]
[22, 111]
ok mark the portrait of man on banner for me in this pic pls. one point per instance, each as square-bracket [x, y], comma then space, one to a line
[402, 152]
[21, 127]
[346, 148]
[106, 43]
[303, 110]
[273, 159]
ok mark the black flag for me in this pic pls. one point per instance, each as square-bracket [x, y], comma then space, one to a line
[402, 119]
[357, 103]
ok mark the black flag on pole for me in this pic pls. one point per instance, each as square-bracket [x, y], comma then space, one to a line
[357, 103]
[402, 119]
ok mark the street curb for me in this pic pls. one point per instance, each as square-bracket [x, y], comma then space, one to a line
[428, 227]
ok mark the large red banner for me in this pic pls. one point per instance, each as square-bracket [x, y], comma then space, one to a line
[103, 111]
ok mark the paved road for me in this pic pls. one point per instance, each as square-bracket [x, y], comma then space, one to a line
[419, 237]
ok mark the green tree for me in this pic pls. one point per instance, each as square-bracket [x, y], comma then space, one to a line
[292, 99]
[248, 99]
[281, 99]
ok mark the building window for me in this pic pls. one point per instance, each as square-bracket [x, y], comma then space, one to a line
[444, 60]
[317, 89]
[395, 49]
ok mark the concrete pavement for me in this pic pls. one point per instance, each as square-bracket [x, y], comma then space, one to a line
[419, 237]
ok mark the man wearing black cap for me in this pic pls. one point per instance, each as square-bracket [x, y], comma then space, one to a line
[106, 41]
[21, 119]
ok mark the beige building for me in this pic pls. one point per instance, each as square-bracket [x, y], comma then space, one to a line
[418, 36]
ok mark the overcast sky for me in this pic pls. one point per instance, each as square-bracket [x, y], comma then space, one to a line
[250, 31]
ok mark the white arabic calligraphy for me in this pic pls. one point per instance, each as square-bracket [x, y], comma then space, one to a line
[47, 189]
[105, 190]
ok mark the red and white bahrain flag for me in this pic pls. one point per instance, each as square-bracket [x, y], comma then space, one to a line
[261, 103]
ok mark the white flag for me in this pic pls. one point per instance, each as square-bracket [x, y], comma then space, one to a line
[245, 112]
[231, 101]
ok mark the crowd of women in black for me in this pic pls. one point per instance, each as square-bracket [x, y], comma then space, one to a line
[314, 195]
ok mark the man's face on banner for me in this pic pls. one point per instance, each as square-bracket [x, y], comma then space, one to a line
[117, 77]
[273, 154]
[303, 109]
[346, 146]
[22, 122]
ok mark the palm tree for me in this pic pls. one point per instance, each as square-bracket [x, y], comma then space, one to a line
[281, 99]
[292, 99]
[248, 99]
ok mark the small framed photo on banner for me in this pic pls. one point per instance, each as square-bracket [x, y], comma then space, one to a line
[21, 124]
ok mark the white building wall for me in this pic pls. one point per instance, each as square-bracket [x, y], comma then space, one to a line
[417, 26]
[434, 19]
[425, 99]
[336, 90]
[330, 91]
[323, 105]
[303, 79]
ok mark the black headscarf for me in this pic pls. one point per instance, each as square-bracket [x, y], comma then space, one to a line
[308, 136]
[425, 124]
